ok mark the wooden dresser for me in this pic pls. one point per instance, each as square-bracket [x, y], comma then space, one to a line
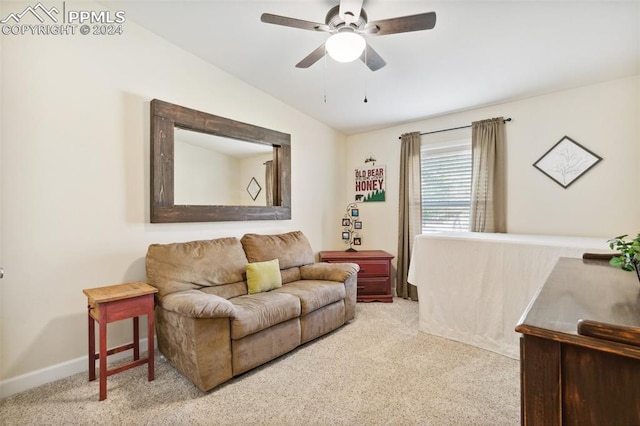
[580, 349]
[374, 278]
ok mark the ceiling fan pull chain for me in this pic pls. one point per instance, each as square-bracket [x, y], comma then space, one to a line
[365, 76]
[325, 74]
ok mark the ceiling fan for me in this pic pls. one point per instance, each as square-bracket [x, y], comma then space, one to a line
[346, 23]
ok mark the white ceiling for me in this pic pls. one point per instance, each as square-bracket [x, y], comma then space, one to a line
[479, 53]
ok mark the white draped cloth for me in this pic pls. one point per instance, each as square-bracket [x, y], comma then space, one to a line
[474, 287]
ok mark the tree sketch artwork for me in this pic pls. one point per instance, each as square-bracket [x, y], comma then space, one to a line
[566, 161]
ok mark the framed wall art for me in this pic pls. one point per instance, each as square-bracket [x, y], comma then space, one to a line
[370, 183]
[254, 188]
[566, 161]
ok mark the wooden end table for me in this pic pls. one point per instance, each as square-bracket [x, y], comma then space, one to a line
[374, 277]
[114, 303]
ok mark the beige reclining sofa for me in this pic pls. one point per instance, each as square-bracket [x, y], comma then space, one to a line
[212, 326]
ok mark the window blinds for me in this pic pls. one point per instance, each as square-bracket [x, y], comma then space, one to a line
[446, 188]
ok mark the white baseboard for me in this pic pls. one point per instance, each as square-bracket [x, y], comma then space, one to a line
[55, 372]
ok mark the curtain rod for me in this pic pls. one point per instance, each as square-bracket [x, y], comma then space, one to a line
[454, 128]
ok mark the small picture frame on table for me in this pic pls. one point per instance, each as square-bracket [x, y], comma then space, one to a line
[357, 224]
[345, 236]
[355, 212]
[357, 241]
[346, 222]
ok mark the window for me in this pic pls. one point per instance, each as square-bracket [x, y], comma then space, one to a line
[446, 186]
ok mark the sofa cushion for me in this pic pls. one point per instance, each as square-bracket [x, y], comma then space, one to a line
[291, 249]
[314, 294]
[227, 290]
[196, 264]
[256, 312]
[263, 276]
[290, 275]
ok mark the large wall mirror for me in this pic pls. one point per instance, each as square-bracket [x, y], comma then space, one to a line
[208, 168]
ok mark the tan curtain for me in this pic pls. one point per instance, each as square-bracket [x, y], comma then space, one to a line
[488, 209]
[268, 178]
[410, 211]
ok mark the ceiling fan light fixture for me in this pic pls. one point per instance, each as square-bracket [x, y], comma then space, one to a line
[345, 46]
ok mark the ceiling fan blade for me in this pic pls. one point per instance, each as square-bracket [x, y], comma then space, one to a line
[312, 57]
[371, 59]
[292, 22]
[403, 24]
[350, 10]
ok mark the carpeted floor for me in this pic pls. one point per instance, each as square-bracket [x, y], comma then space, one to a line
[377, 370]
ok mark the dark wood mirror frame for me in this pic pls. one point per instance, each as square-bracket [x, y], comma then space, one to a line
[165, 117]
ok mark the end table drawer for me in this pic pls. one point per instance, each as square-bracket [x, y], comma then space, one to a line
[373, 268]
[369, 286]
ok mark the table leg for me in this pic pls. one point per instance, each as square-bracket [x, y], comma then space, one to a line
[150, 353]
[103, 354]
[92, 347]
[136, 339]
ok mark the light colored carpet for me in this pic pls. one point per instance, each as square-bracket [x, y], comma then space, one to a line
[377, 370]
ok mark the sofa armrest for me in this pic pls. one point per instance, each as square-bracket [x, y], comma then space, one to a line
[196, 304]
[329, 271]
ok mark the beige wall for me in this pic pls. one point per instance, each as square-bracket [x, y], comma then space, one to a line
[605, 202]
[75, 179]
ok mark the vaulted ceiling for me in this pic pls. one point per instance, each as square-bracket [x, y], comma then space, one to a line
[479, 53]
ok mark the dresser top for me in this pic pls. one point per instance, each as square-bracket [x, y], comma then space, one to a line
[580, 289]
[355, 255]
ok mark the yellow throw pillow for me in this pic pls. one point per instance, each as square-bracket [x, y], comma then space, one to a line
[263, 276]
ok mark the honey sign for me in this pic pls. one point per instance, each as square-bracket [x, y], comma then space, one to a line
[370, 184]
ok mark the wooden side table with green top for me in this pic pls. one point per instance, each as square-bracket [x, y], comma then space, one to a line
[114, 303]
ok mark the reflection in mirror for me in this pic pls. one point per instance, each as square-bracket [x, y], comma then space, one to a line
[190, 182]
[214, 170]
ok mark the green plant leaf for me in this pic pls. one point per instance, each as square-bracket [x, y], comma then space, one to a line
[616, 262]
[629, 252]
